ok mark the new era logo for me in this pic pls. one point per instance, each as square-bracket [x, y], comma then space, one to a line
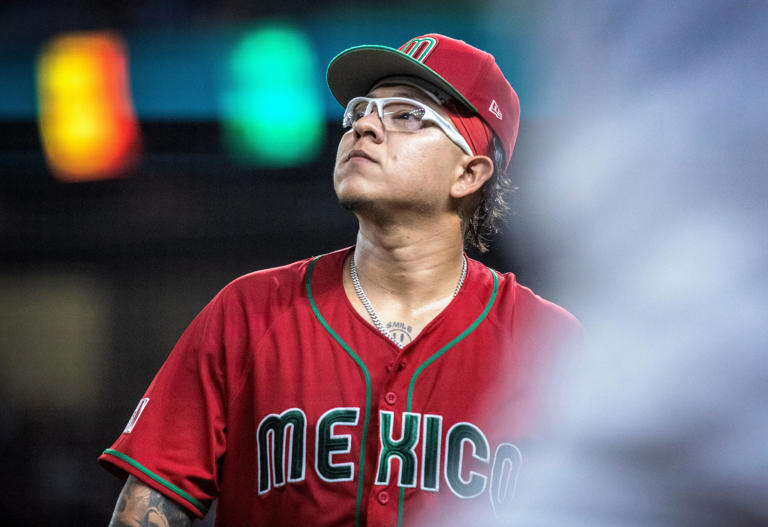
[495, 110]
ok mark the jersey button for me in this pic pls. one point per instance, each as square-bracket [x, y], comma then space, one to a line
[401, 365]
[383, 497]
[391, 397]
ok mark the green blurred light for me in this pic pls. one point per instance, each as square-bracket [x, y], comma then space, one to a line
[272, 111]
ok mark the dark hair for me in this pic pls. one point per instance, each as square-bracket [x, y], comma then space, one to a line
[483, 222]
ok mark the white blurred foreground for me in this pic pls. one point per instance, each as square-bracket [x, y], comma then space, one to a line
[656, 188]
[652, 181]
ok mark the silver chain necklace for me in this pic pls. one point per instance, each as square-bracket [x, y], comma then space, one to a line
[369, 307]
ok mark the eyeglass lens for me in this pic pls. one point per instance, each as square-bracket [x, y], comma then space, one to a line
[397, 115]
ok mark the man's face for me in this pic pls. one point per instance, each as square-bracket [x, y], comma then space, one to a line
[394, 170]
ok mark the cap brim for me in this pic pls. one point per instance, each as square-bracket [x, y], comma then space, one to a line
[354, 71]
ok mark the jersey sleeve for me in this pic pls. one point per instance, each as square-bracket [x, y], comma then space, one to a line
[175, 439]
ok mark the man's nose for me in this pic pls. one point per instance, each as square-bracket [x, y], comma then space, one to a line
[370, 125]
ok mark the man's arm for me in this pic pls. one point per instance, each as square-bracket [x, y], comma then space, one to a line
[141, 506]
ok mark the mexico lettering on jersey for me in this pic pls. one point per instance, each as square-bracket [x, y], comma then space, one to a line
[417, 449]
[281, 402]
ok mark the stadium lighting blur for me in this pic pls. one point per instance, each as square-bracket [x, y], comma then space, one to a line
[87, 123]
[271, 109]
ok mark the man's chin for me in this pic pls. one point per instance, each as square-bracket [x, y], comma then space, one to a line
[354, 205]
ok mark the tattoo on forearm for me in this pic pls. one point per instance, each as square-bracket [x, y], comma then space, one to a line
[401, 331]
[142, 506]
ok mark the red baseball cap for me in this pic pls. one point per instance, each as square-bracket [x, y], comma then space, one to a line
[466, 73]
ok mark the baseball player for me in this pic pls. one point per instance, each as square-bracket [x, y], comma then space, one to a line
[382, 384]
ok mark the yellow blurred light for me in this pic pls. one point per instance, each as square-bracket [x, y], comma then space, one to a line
[88, 126]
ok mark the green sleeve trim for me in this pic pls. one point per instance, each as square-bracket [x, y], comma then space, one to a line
[366, 375]
[165, 483]
[436, 356]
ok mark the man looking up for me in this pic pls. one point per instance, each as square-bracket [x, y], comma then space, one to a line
[383, 384]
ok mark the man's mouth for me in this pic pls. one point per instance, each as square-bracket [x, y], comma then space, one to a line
[359, 154]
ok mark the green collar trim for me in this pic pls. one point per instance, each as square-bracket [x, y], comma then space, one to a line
[455, 341]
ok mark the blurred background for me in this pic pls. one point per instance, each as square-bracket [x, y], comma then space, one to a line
[150, 152]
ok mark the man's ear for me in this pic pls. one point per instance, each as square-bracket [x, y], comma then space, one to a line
[472, 174]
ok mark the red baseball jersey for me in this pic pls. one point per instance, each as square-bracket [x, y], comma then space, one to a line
[284, 404]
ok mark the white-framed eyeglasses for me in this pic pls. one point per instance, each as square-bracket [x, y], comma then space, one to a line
[400, 114]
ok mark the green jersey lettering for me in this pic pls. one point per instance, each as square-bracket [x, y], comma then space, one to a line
[430, 455]
[271, 461]
[403, 449]
[506, 466]
[457, 436]
[327, 444]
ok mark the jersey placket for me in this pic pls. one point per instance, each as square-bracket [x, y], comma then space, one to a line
[386, 501]
[397, 434]
[395, 428]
